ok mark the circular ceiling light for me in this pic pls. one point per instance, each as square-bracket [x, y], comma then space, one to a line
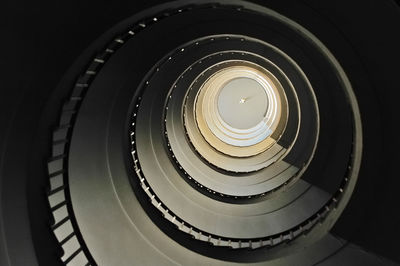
[241, 106]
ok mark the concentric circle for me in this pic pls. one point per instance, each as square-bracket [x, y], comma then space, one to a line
[239, 116]
[217, 138]
[254, 184]
[216, 94]
[216, 152]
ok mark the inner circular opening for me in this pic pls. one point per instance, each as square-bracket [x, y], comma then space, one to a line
[239, 109]
[242, 103]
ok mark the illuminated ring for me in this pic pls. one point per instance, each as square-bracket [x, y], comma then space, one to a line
[234, 141]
